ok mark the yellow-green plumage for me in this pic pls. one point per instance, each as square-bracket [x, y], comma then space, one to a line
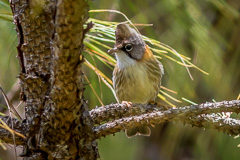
[139, 82]
[137, 74]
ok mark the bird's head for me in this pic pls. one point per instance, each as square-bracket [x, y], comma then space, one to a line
[128, 42]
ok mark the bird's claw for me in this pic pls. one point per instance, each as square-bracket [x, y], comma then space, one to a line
[127, 103]
[163, 106]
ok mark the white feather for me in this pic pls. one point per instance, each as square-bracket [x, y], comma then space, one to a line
[123, 60]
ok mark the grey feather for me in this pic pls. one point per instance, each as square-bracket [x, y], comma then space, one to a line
[127, 35]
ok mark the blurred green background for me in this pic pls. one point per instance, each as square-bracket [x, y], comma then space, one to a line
[207, 31]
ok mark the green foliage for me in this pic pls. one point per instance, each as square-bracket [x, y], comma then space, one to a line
[5, 13]
[206, 31]
[104, 32]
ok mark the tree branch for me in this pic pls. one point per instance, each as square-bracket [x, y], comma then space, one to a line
[116, 111]
[18, 126]
[51, 33]
[65, 116]
[202, 115]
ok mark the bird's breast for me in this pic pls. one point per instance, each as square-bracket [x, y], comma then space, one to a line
[136, 82]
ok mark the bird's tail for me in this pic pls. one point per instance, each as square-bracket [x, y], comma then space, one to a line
[138, 131]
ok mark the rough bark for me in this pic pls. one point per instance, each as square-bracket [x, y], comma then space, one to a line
[57, 123]
[114, 118]
[18, 126]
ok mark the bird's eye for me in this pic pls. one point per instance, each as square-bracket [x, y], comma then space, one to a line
[128, 47]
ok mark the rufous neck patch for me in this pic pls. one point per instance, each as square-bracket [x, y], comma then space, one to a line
[147, 54]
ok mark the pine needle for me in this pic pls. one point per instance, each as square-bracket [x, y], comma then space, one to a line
[165, 100]
[10, 106]
[103, 33]
[5, 126]
[11, 110]
[169, 90]
[187, 100]
[238, 97]
[95, 93]
[2, 145]
[172, 98]
[103, 77]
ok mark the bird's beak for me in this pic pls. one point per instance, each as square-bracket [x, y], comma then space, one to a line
[115, 49]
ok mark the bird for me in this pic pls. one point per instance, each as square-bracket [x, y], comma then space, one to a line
[137, 74]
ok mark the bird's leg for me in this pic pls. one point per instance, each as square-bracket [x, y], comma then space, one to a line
[159, 105]
[127, 103]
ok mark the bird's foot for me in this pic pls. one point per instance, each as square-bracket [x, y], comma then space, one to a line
[127, 103]
[159, 105]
